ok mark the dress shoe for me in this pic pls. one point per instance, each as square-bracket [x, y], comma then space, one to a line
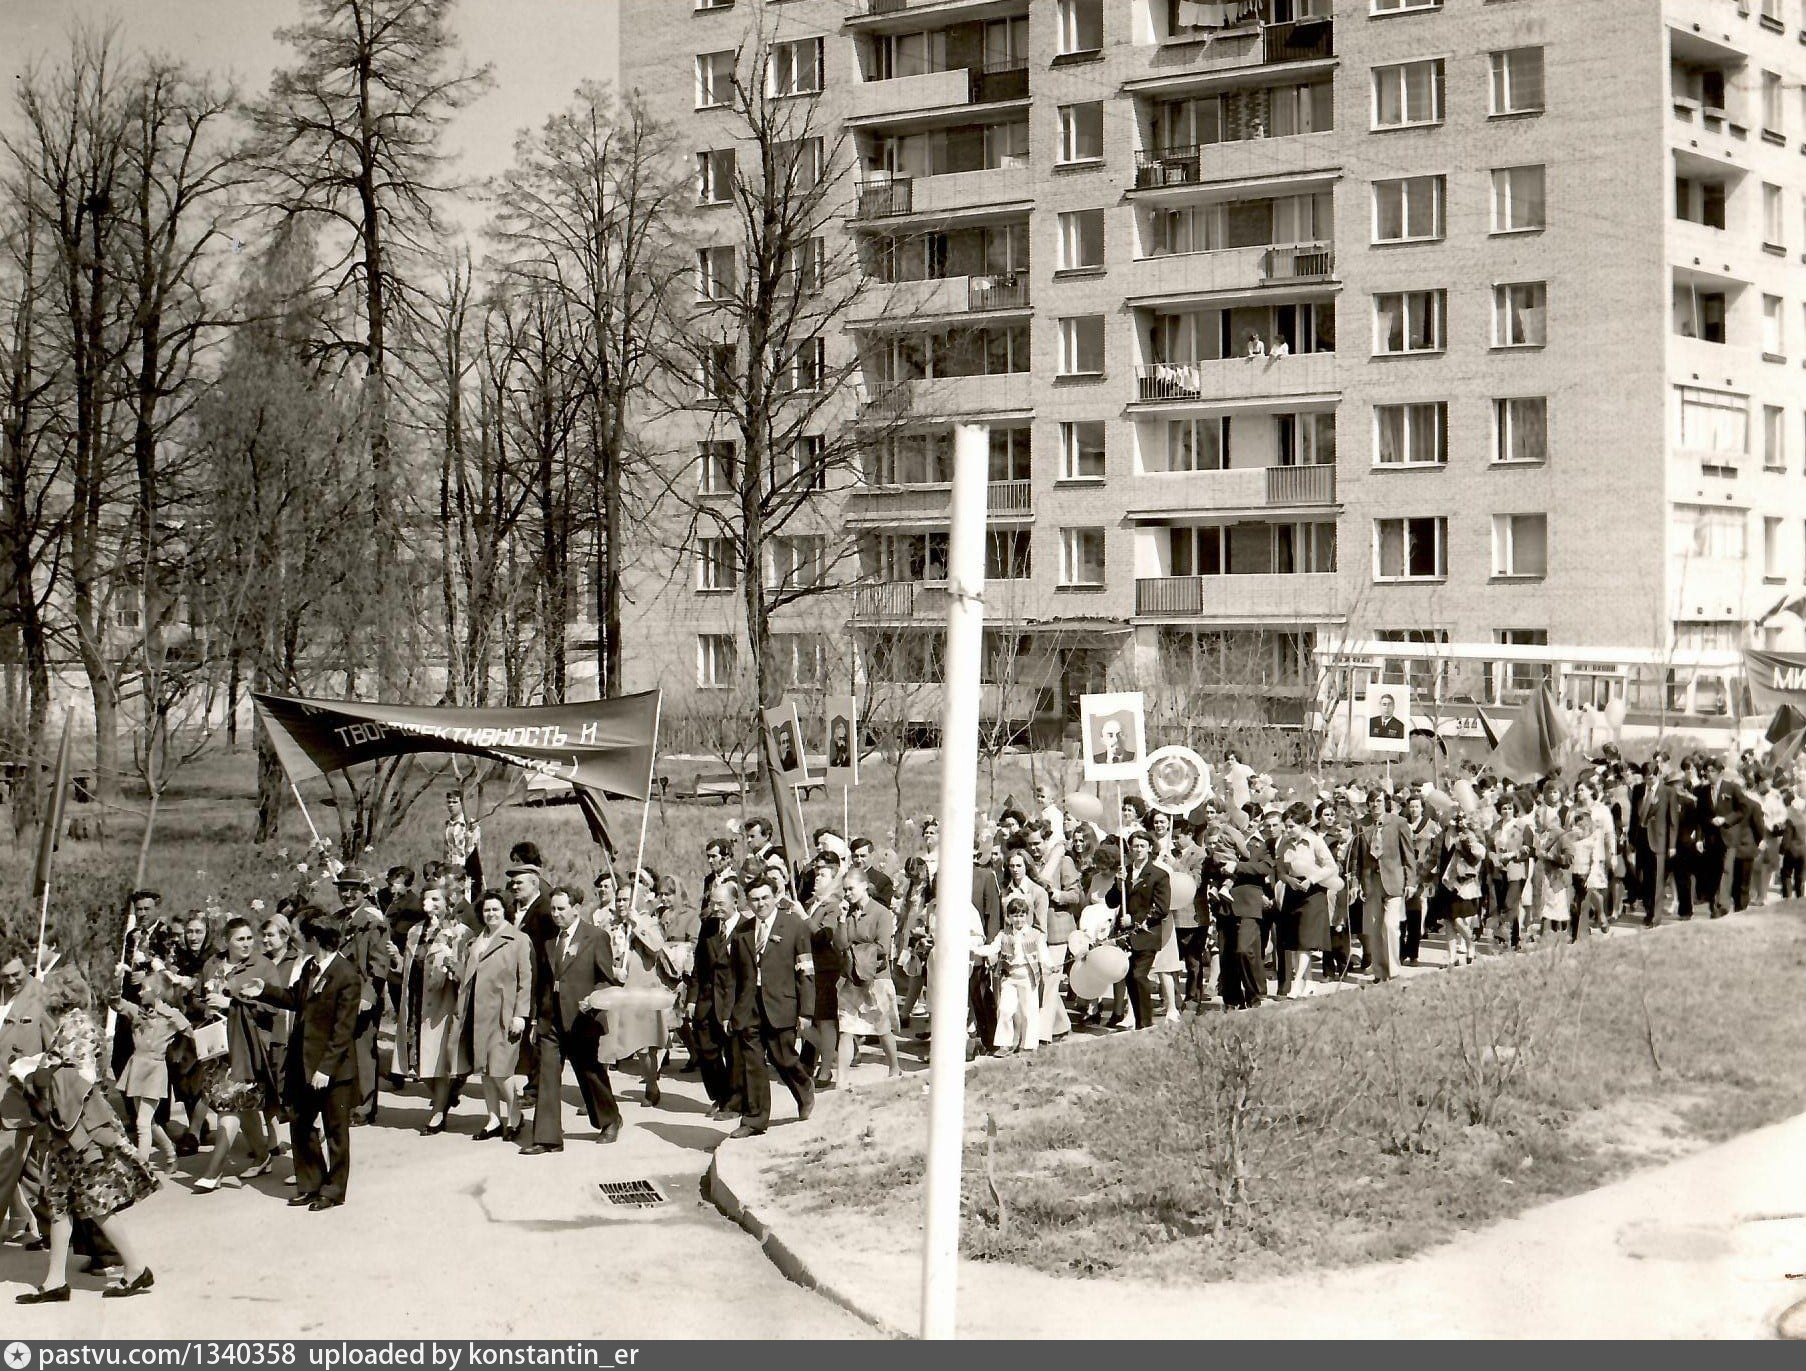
[304, 1197]
[50, 1294]
[38, 1244]
[540, 1149]
[428, 1130]
[653, 1095]
[746, 1130]
[321, 1202]
[488, 1131]
[805, 1109]
[512, 1133]
[124, 1289]
[206, 1185]
[186, 1146]
[609, 1134]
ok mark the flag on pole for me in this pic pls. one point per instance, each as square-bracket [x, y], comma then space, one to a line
[1785, 749]
[593, 820]
[1532, 747]
[1486, 725]
[52, 829]
[1788, 719]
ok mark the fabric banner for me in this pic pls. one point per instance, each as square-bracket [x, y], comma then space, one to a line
[1775, 679]
[51, 832]
[1531, 748]
[604, 745]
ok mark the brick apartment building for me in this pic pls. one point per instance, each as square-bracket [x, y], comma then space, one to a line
[1293, 323]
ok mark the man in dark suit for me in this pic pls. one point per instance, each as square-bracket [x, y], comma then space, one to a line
[532, 914]
[1112, 750]
[710, 1006]
[981, 990]
[774, 988]
[1386, 724]
[1659, 807]
[366, 948]
[1730, 824]
[320, 1070]
[568, 1025]
[1148, 910]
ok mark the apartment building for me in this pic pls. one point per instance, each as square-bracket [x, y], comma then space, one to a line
[1294, 322]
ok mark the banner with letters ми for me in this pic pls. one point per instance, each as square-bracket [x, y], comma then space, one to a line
[1775, 679]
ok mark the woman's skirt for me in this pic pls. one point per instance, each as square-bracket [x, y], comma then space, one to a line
[1167, 960]
[94, 1184]
[225, 1094]
[1303, 925]
[145, 1078]
[868, 1010]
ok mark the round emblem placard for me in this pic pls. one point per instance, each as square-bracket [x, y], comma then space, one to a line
[1176, 780]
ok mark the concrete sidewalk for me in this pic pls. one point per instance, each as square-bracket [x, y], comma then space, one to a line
[1697, 1248]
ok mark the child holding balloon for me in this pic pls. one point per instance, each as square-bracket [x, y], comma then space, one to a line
[1018, 956]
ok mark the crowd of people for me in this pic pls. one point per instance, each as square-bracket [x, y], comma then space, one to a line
[234, 1028]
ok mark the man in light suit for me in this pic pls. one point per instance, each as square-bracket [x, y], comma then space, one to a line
[320, 1068]
[580, 961]
[774, 991]
[1384, 861]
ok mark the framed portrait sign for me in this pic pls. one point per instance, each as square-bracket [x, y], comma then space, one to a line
[1114, 730]
[1388, 726]
[786, 734]
[842, 747]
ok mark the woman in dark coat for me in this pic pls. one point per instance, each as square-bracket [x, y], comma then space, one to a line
[1307, 875]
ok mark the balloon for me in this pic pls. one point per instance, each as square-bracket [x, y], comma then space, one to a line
[1111, 960]
[1087, 808]
[1087, 981]
[1078, 945]
[1465, 795]
[1437, 803]
[1184, 887]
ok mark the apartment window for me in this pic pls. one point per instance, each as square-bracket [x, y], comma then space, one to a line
[1713, 422]
[1507, 682]
[1521, 429]
[1081, 556]
[1403, 6]
[1520, 545]
[1411, 435]
[1407, 94]
[1198, 444]
[1774, 328]
[1304, 440]
[914, 459]
[1410, 549]
[715, 273]
[1774, 215]
[1716, 535]
[718, 378]
[714, 79]
[1517, 199]
[1517, 81]
[1082, 345]
[1081, 24]
[715, 176]
[1771, 549]
[1520, 315]
[805, 368]
[1006, 145]
[800, 162]
[1409, 321]
[800, 660]
[1082, 450]
[1012, 454]
[1007, 555]
[716, 659]
[704, 5]
[1773, 112]
[718, 461]
[1081, 239]
[1774, 438]
[716, 569]
[794, 68]
[1082, 132]
[1699, 313]
[802, 265]
[1408, 209]
[799, 466]
[796, 562]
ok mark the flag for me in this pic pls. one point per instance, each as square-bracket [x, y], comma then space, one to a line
[1788, 719]
[792, 836]
[1774, 678]
[1531, 749]
[593, 820]
[1786, 749]
[604, 744]
[1486, 725]
[1795, 605]
[53, 818]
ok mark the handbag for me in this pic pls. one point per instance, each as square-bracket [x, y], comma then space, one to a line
[210, 1040]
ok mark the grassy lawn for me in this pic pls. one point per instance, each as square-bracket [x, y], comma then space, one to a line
[1354, 1127]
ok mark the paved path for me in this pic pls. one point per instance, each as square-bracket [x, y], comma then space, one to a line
[446, 1237]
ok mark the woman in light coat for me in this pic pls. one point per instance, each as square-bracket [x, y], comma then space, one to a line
[431, 977]
[495, 1000]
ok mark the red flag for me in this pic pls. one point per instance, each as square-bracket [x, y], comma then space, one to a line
[1531, 748]
[1786, 749]
[53, 818]
[591, 808]
[1486, 725]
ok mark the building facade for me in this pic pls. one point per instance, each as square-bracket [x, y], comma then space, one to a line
[1293, 323]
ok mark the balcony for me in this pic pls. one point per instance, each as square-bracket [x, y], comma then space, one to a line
[948, 397]
[1709, 133]
[946, 192]
[904, 303]
[925, 93]
[1229, 269]
[1716, 366]
[1237, 380]
[1298, 262]
[889, 601]
[1159, 494]
[1005, 501]
[1175, 168]
[1306, 595]
[881, 16]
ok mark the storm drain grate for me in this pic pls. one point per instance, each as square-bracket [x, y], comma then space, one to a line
[634, 1194]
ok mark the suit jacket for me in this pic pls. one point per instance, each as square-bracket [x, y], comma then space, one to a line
[778, 988]
[712, 979]
[1385, 855]
[325, 1030]
[1743, 828]
[987, 899]
[572, 977]
[1150, 907]
[366, 947]
[1104, 758]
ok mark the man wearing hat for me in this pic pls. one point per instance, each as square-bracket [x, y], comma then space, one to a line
[532, 914]
[369, 952]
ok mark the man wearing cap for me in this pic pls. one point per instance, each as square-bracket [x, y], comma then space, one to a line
[532, 914]
[368, 951]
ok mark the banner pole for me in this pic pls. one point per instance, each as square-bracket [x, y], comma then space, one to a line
[639, 858]
[295, 790]
[43, 928]
[846, 813]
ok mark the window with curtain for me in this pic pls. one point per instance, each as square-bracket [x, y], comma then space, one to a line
[1408, 209]
[1082, 450]
[1082, 345]
[1521, 429]
[1520, 315]
[794, 68]
[1081, 24]
[1409, 321]
[1411, 435]
[1714, 421]
[1197, 444]
[1081, 556]
[1408, 93]
[1517, 81]
[1081, 239]
[1410, 549]
[1520, 545]
[1082, 132]
[714, 79]
[1517, 199]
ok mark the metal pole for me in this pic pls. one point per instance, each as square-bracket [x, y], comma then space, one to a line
[953, 892]
[43, 929]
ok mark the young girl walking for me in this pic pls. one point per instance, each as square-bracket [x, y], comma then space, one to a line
[155, 1025]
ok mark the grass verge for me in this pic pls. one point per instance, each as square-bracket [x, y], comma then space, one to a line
[1353, 1127]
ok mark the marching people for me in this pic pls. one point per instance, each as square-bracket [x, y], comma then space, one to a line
[774, 988]
[239, 1082]
[427, 1023]
[866, 998]
[570, 1022]
[495, 1002]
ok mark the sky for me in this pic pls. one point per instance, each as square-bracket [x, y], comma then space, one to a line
[540, 50]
